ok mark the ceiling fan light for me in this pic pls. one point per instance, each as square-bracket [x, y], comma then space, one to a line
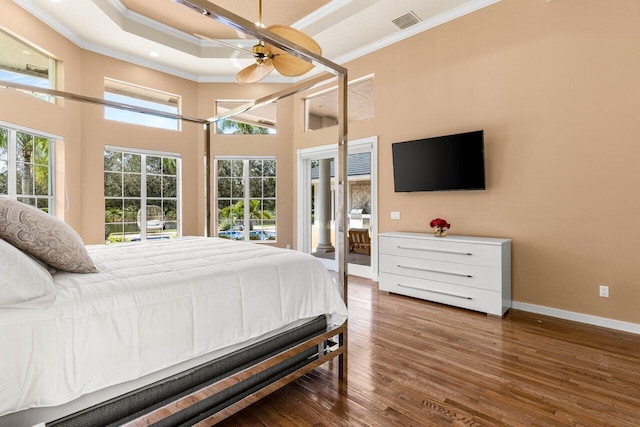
[261, 51]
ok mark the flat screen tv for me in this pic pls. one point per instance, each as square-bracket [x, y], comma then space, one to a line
[451, 162]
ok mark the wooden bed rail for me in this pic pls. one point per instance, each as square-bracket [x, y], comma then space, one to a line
[211, 389]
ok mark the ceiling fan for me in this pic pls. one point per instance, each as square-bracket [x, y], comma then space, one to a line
[269, 57]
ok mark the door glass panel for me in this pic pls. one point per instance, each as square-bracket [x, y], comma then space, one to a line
[359, 209]
[322, 212]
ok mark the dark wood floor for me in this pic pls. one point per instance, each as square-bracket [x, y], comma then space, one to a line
[415, 363]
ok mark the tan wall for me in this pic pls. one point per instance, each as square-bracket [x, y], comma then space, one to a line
[79, 160]
[555, 86]
[62, 119]
[98, 132]
[86, 132]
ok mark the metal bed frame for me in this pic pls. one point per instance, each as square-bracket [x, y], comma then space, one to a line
[323, 353]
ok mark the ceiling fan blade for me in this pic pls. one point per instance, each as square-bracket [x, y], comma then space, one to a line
[241, 49]
[255, 72]
[285, 63]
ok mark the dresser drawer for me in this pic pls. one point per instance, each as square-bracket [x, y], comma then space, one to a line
[474, 276]
[441, 250]
[446, 293]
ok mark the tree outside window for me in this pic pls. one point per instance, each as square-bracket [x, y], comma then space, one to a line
[26, 168]
[246, 199]
[136, 180]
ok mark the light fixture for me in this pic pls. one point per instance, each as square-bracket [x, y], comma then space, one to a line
[269, 58]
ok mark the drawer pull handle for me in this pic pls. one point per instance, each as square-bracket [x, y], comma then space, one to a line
[435, 250]
[435, 292]
[431, 270]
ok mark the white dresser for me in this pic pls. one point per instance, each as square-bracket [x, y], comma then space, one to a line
[464, 271]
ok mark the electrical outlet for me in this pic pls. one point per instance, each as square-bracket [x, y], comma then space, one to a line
[604, 291]
[395, 215]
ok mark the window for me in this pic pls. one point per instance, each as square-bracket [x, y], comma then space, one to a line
[26, 167]
[138, 96]
[259, 121]
[246, 199]
[322, 108]
[21, 63]
[133, 179]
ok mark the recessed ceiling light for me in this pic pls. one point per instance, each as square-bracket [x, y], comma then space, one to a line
[154, 54]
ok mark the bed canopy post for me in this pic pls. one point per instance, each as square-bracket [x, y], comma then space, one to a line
[207, 177]
[223, 16]
[343, 185]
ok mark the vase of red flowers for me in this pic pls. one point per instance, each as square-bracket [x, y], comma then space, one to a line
[440, 227]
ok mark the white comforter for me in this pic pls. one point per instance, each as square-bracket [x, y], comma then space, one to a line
[152, 305]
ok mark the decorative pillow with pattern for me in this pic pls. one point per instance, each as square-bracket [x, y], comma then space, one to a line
[43, 236]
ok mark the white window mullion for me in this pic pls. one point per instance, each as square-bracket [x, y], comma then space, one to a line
[247, 210]
[52, 182]
[143, 197]
[12, 166]
[178, 197]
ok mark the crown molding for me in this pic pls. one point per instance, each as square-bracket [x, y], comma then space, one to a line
[320, 13]
[140, 25]
[43, 16]
[443, 18]
[135, 19]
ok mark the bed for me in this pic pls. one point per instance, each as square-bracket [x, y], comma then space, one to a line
[159, 309]
[162, 362]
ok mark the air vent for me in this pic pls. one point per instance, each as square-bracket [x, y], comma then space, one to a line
[406, 20]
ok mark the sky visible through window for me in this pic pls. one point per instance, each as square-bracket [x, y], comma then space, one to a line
[140, 118]
[24, 79]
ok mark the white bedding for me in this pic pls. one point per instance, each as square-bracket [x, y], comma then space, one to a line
[152, 305]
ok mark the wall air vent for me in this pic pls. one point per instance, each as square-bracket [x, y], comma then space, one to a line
[406, 20]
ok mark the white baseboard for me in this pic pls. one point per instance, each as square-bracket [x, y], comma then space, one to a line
[604, 322]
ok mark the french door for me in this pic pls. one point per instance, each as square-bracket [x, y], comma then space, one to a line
[317, 233]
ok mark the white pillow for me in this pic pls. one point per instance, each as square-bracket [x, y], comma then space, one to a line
[24, 282]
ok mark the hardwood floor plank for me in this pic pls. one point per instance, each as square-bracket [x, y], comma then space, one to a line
[416, 363]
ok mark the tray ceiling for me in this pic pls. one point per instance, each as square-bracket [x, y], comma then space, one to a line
[132, 29]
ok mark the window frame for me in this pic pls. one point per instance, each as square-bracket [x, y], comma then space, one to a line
[329, 90]
[52, 64]
[140, 96]
[246, 221]
[12, 166]
[144, 198]
[243, 119]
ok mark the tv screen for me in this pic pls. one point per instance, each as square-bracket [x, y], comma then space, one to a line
[452, 162]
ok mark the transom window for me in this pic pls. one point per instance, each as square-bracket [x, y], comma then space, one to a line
[322, 108]
[24, 64]
[26, 167]
[137, 179]
[138, 96]
[246, 199]
[259, 121]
